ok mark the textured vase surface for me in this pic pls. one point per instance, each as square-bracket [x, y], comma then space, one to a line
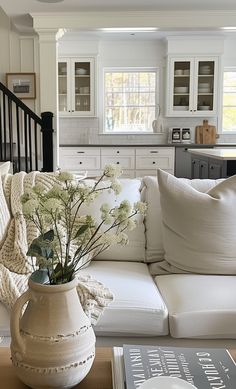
[53, 342]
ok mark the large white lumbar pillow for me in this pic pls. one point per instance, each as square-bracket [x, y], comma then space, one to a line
[199, 229]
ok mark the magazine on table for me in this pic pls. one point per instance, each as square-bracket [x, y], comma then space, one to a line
[205, 368]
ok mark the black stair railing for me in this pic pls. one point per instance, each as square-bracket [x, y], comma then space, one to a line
[25, 138]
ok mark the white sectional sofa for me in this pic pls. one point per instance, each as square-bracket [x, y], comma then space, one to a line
[149, 299]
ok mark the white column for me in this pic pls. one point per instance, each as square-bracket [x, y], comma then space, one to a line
[48, 80]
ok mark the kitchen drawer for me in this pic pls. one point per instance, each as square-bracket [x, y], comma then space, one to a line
[80, 162]
[155, 151]
[79, 151]
[116, 151]
[126, 162]
[164, 162]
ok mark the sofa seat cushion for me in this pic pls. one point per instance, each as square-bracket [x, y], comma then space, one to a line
[4, 321]
[138, 308]
[199, 306]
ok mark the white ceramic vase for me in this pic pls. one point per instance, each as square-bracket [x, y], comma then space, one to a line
[53, 343]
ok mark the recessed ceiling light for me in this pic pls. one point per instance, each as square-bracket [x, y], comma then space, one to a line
[229, 28]
[50, 1]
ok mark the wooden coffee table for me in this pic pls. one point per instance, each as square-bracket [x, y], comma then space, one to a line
[99, 377]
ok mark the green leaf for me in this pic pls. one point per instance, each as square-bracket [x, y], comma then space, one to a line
[40, 276]
[81, 230]
[41, 246]
[49, 235]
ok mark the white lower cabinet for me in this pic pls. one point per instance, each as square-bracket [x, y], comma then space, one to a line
[148, 160]
[123, 157]
[80, 160]
[135, 162]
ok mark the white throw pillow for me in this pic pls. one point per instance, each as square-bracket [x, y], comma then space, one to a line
[4, 216]
[5, 167]
[199, 229]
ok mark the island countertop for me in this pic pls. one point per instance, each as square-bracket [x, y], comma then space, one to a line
[225, 154]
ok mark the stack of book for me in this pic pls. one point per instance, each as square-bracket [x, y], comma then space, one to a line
[205, 368]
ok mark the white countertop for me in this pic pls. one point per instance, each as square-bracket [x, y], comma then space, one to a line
[217, 153]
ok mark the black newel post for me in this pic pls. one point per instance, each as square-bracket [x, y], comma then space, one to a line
[47, 131]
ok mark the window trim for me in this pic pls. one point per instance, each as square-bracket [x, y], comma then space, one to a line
[157, 96]
[226, 69]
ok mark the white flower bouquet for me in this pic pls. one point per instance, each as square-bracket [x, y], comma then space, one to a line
[68, 239]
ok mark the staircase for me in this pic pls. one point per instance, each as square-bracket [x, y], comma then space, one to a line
[25, 138]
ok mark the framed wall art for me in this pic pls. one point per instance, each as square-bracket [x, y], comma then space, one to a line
[22, 84]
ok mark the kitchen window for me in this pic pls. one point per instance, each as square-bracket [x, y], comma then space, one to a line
[229, 101]
[130, 100]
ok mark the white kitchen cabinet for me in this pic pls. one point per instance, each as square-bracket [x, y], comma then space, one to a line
[192, 86]
[135, 162]
[80, 160]
[76, 86]
[149, 159]
[122, 156]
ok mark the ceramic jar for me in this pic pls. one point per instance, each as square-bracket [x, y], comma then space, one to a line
[53, 342]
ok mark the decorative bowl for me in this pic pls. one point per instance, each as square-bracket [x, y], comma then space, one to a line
[81, 71]
[165, 382]
[181, 89]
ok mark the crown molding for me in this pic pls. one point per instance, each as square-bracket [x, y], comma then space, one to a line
[182, 20]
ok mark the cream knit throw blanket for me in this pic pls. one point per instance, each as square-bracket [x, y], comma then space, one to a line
[15, 266]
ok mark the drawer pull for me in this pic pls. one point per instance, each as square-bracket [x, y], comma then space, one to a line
[80, 152]
[154, 163]
[154, 152]
[117, 163]
[117, 152]
[80, 163]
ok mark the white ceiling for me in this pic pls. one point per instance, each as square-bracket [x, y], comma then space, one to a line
[20, 10]
[19, 7]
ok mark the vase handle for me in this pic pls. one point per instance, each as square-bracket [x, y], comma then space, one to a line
[19, 344]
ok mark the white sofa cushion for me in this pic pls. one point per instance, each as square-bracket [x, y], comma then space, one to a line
[202, 306]
[4, 215]
[199, 228]
[5, 167]
[138, 308]
[135, 250]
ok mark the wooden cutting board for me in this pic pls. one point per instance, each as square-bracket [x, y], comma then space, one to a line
[205, 134]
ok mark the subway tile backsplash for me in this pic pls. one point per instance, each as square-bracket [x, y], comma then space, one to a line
[86, 131]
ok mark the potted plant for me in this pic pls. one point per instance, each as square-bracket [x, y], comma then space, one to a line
[54, 345]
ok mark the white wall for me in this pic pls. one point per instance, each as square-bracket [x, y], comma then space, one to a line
[4, 44]
[18, 54]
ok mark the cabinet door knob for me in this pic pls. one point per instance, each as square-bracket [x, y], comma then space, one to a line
[153, 162]
[193, 162]
[202, 165]
[211, 167]
[80, 163]
[117, 152]
[117, 163]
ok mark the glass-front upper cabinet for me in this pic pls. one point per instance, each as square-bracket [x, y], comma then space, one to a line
[191, 86]
[76, 87]
[63, 97]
